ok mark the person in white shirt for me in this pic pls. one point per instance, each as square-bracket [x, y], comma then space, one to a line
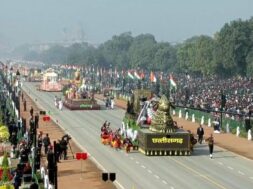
[112, 104]
[60, 104]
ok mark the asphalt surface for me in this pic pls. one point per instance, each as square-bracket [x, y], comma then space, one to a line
[134, 170]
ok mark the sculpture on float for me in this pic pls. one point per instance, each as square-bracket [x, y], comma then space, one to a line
[77, 97]
[50, 82]
[34, 75]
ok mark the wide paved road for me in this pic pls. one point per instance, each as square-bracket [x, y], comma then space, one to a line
[226, 170]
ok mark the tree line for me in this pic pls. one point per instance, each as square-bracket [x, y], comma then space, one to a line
[229, 52]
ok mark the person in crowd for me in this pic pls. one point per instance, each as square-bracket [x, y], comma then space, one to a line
[58, 151]
[36, 120]
[200, 133]
[64, 147]
[34, 185]
[40, 141]
[22, 96]
[210, 141]
[31, 111]
[27, 173]
[24, 104]
[46, 143]
[17, 180]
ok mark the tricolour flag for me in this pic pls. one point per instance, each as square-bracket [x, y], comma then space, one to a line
[116, 74]
[152, 77]
[172, 82]
[130, 75]
[137, 76]
[142, 75]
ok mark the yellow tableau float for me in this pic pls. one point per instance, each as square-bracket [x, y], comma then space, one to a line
[77, 97]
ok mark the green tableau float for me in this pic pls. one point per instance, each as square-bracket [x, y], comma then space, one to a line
[158, 135]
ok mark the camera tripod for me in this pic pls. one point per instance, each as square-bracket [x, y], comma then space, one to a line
[71, 150]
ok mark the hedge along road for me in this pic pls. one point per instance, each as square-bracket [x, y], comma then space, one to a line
[226, 170]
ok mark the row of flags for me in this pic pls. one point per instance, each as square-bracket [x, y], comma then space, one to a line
[131, 74]
[171, 79]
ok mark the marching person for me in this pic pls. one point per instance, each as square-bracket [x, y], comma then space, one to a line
[112, 104]
[200, 133]
[56, 101]
[60, 104]
[210, 141]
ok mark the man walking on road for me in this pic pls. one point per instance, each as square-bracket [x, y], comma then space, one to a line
[210, 141]
[200, 133]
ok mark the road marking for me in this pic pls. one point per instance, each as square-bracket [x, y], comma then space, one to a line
[220, 163]
[164, 182]
[171, 187]
[231, 168]
[137, 162]
[241, 173]
[251, 178]
[143, 167]
[131, 158]
[150, 171]
[156, 176]
[198, 173]
[82, 147]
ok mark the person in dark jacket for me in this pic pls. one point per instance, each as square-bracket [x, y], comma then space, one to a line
[31, 111]
[200, 133]
[46, 143]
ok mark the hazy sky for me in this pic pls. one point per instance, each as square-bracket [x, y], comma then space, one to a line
[29, 21]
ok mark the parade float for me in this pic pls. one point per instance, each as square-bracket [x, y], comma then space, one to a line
[35, 75]
[149, 127]
[50, 82]
[77, 97]
[163, 137]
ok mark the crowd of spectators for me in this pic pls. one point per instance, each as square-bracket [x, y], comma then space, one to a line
[205, 93]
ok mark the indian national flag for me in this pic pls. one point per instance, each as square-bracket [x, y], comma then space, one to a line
[116, 74]
[172, 82]
[130, 75]
[137, 75]
[152, 77]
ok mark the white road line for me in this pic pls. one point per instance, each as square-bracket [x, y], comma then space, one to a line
[137, 162]
[89, 155]
[164, 182]
[171, 187]
[241, 173]
[231, 168]
[251, 178]
[150, 171]
[156, 176]
[143, 167]
[220, 163]
[131, 158]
